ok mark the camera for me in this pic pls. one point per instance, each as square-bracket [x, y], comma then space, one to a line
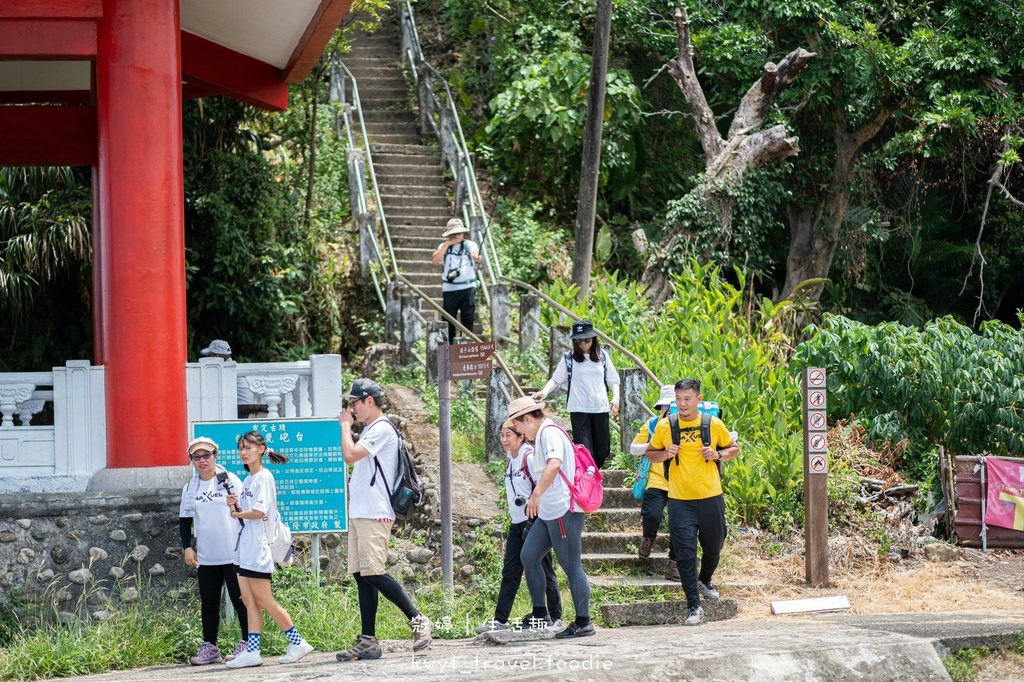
[519, 501]
[452, 275]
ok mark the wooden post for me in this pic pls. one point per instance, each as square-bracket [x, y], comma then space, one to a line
[501, 316]
[437, 335]
[529, 321]
[367, 235]
[815, 479]
[632, 389]
[497, 413]
[412, 328]
[393, 313]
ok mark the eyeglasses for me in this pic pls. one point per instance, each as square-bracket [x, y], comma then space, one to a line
[196, 458]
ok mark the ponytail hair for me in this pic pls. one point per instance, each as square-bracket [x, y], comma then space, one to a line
[256, 438]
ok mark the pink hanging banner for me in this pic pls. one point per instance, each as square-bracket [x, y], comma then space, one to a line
[1005, 501]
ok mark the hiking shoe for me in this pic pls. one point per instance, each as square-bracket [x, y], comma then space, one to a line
[208, 653]
[646, 545]
[296, 651]
[246, 659]
[672, 571]
[696, 616]
[366, 648]
[574, 630]
[422, 629]
[239, 648]
[491, 626]
[556, 625]
[708, 591]
[533, 622]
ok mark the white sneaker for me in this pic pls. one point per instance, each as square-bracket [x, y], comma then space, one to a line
[696, 616]
[557, 625]
[296, 651]
[491, 626]
[246, 659]
[708, 590]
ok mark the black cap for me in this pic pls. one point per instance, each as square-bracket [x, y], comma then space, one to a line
[583, 330]
[364, 388]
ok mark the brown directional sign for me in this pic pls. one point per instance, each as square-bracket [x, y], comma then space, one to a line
[470, 351]
[470, 369]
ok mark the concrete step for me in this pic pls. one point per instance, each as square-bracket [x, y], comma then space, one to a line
[390, 116]
[392, 128]
[407, 150]
[423, 243]
[665, 612]
[619, 542]
[429, 201]
[620, 498]
[649, 584]
[613, 478]
[611, 519]
[420, 185]
[390, 138]
[617, 564]
[402, 215]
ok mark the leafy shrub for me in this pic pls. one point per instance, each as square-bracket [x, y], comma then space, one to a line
[528, 251]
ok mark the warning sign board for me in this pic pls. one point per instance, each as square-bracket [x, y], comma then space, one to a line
[818, 464]
[816, 420]
[816, 399]
[817, 443]
[815, 378]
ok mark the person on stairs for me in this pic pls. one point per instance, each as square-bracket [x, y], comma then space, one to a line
[459, 257]
[655, 499]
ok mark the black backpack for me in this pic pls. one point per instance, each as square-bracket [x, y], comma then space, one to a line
[705, 436]
[407, 493]
[568, 370]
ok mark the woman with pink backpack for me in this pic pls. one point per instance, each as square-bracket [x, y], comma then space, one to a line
[559, 523]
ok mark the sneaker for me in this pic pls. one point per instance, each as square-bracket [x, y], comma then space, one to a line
[646, 545]
[422, 629]
[208, 653]
[708, 591]
[574, 630]
[491, 626]
[696, 616]
[672, 571]
[532, 622]
[246, 659]
[366, 648]
[296, 651]
[557, 625]
[239, 648]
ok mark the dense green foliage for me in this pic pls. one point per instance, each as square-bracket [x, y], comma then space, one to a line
[943, 384]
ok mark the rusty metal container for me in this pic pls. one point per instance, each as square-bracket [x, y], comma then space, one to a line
[967, 523]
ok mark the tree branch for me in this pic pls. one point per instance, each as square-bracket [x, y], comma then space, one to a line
[685, 74]
[762, 94]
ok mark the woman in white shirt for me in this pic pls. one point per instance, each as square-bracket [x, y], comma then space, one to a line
[257, 507]
[591, 374]
[555, 527]
[203, 506]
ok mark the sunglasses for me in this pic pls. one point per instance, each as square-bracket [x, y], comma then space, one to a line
[196, 458]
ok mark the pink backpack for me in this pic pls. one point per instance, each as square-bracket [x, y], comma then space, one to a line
[586, 492]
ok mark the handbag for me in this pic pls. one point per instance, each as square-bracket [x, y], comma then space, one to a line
[282, 546]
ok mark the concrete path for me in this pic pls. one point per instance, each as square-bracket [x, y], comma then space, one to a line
[832, 648]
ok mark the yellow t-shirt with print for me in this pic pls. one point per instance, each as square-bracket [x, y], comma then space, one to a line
[655, 479]
[690, 477]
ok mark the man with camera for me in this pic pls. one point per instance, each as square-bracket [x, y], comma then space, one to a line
[459, 257]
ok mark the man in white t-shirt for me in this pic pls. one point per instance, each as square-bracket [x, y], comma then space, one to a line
[459, 257]
[374, 460]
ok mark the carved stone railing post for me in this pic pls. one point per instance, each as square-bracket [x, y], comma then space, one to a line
[437, 335]
[29, 408]
[632, 388]
[273, 388]
[529, 321]
[10, 396]
[501, 316]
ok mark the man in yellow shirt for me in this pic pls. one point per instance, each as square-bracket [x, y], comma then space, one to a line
[695, 502]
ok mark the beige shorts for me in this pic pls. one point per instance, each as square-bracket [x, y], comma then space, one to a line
[368, 546]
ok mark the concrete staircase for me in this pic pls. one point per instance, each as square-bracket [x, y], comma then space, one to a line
[412, 188]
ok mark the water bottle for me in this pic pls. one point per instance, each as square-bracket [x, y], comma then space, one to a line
[590, 471]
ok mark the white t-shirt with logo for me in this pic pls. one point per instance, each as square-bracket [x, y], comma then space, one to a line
[368, 497]
[216, 532]
[517, 483]
[552, 443]
[459, 257]
[258, 492]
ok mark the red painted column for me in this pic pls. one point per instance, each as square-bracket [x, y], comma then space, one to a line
[141, 231]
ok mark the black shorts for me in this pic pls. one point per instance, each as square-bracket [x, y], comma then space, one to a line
[246, 573]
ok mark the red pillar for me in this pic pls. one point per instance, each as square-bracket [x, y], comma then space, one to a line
[141, 232]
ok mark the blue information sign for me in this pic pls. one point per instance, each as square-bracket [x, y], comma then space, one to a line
[311, 487]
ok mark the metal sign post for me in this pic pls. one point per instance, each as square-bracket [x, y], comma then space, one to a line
[815, 478]
[462, 361]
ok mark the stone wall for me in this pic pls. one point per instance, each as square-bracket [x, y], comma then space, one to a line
[103, 546]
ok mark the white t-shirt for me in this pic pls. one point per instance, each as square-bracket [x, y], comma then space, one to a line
[552, 443]
[517, 483]
[459, 257]
[258, 492]
[216, 532]
[588, 392]
[368, 498]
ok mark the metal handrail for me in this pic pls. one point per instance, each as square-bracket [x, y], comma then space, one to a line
[413, 56]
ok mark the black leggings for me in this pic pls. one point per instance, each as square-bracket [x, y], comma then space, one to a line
[592, 429]
[211, 580]
[370, 586]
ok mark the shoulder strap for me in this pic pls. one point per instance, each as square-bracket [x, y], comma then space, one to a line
[398, 454]
[673, 422]
[568, 378]
[705, 429]
[604, 368]
[651, 425]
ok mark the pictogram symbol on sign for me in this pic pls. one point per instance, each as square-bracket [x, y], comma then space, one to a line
[818, 464]
[817, 443]
[816, 420]
[816, 399]
[816, 378]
